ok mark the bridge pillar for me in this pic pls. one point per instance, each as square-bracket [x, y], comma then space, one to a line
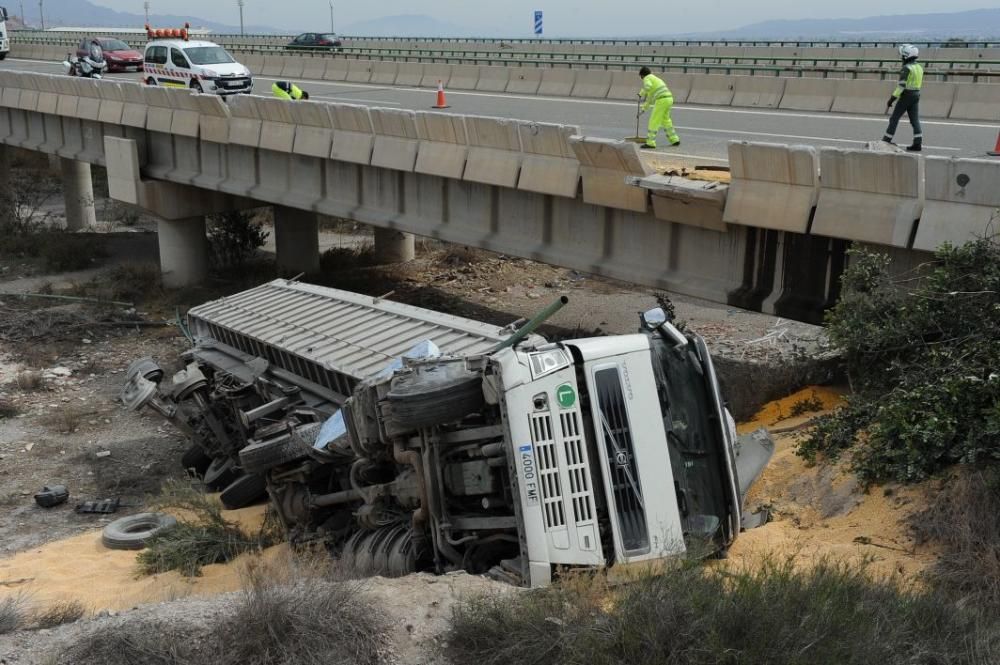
[5, 180]
[392, 246]
[78, 190]
[296, 239]
[183, 251]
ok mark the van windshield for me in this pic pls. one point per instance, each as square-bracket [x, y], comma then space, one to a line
[208, 55]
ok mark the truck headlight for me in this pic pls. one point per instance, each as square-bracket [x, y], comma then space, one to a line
[547, 362]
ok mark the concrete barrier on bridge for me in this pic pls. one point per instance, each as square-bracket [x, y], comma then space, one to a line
[396, 139]
[773, 186]
[294, 67]
[186, 119]
[277, 130]
[254, 62]
[962, 199]
[48, 95]
[444, 145]
[313, 69]
[359, 71]
[410, 74]
[313, 129]
[871, 197]
[976, 101]
[525, 80]
[434, 74]
[494, 151]
[245, 121]
[353, 134]
[592, 83]
[273, 64]
[807, 94]
[757, 91]
[624, 85]
[860, 96]
[557, 81]
[135, 110]
[492, 79]
[937, 99]
[160, 113]
[604, 165]
[336, 70]
[680, 85]
[112, 102]
[213, 118]
[384, 73]
[712, 90]
[464, 77]
[550, 166]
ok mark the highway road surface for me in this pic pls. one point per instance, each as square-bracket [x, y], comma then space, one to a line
[704, 130]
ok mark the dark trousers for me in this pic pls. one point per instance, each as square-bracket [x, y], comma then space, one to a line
[909, 103]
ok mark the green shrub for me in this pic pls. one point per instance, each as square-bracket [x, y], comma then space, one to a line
[923, 355]
[830, 615]
[234, 238]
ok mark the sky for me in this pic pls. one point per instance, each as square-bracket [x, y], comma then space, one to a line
[562, 17]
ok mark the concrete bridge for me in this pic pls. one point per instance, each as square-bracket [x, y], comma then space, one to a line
[774, 241]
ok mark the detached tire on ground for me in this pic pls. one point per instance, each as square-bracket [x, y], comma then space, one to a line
[435, 396]
[264, 455]
[244, 491]
[132, 532]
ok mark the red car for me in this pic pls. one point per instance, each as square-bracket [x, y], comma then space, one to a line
[120, 56]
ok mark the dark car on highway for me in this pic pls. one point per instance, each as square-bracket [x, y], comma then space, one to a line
[316, 41]
[120, 56]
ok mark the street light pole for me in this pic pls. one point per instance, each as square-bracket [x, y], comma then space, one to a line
[240, 3]
[41, 13]
[146, 6]
[331, 17]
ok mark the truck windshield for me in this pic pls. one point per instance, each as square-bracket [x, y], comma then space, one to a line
[208, 55]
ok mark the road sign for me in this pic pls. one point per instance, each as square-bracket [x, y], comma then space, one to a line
[538, 22]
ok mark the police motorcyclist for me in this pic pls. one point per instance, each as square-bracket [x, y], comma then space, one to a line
[906, 97]
[288, 91]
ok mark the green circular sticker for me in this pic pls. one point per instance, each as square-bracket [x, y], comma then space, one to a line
[566, 396]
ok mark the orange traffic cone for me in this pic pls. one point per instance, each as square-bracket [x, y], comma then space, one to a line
[996, 151]
[441, 102]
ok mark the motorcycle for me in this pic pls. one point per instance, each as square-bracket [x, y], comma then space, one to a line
[92, 65]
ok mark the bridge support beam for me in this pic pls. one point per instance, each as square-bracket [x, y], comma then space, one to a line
[78, 190]
[183, 251]
[392, 246]
[5, 180]
[296, 239]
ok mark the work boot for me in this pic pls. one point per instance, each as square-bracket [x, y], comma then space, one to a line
[675, 144]
[918, 146]
[646, 146]
[887, 139]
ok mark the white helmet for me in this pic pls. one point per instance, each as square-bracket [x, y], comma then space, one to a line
[908, 51]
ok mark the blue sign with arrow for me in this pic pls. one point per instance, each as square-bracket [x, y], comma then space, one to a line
[538, 22]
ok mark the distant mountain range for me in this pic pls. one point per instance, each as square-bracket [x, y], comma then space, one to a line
[80, 13]
[975, 24]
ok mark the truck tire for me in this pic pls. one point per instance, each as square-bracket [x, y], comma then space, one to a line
[196, 458]
[3, 56]
[442, 395]
[219, 473]
[132, 532]
[264, 455]
[244, 491]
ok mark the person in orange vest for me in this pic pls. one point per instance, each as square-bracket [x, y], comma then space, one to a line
[288, 91]
[658, 95]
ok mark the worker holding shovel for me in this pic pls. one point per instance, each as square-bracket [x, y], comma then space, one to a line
[656, 94]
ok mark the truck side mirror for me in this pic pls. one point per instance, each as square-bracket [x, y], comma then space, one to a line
[654, 318]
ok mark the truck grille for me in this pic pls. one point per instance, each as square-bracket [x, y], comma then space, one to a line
[619, 447]
[548, 471]
[580, 494]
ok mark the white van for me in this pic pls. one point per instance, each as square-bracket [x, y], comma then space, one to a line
[4, 41]
[199, 65]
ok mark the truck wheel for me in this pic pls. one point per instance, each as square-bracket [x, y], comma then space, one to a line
[435, 396]
[132, 532]
[244, 491]
[3, 56]
[263, 455]
[219, 473]
[195, 458]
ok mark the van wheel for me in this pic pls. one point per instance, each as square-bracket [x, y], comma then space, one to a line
[196, 86]
[151, 81]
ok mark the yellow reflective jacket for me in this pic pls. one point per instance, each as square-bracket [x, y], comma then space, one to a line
[653, 89]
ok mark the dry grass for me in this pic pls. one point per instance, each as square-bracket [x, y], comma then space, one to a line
[8, 410]
[13, 613]
[66, 419]
[67, 611]
[134, 642]
[29, 381]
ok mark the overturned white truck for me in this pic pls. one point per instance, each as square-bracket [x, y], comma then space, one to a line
[489, 450]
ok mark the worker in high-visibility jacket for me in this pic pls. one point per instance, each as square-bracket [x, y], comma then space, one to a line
[288, 91]
[906, 97]
[656, 94]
